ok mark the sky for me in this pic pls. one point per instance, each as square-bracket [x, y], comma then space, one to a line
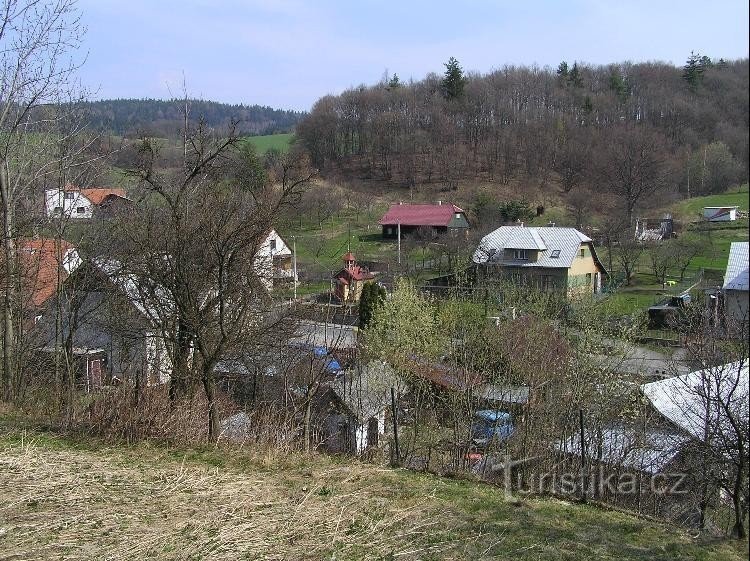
[289, 53]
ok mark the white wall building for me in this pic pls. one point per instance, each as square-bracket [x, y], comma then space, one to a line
[74, 202]
[737, 286]
[274, 260]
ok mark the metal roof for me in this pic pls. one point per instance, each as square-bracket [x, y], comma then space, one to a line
[737, 276]
[687, 400]
[546, 240]
[420, 215]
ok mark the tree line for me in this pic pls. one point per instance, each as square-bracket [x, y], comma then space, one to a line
[158, 117]
[627, 128]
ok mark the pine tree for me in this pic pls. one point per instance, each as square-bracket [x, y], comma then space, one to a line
[454, 80]
[574, 77]
[617, 85]
[394, 82]
[693, 70]
[562, 69]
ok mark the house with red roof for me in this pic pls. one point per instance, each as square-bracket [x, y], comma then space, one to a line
[440, 218]
[350, 280]
[81, 203]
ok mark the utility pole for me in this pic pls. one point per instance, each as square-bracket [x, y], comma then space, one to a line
[294, 264]
[399, 242]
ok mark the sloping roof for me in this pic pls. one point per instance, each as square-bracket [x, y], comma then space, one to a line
[619, 446]
[96, 194]
[355, 272]
[366, 391]
[548, 240]
[457, 379]
[737, 276]
[689, 400]
[41, 263]
[420, 215]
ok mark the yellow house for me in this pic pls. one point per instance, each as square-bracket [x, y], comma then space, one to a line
[549, 258]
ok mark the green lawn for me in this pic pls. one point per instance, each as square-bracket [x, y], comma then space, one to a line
[280, 142]
[67, 498]
[692, 209]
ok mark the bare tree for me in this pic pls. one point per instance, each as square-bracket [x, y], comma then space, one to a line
[37, 68]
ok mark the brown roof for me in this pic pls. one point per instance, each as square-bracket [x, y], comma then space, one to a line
[97, 194]
[420, 215]
[458, 379]
[41, 262]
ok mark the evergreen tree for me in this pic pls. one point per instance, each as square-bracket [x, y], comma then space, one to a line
[454, 80]
[574, 77]
[373, 296]
[617, 85]
[693, 70]
[394, 82]
[588, 105]
[562, 69]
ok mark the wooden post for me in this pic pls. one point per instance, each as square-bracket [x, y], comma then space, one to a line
[294, 264]
[584, 479]
[398, 227]
[396, 451]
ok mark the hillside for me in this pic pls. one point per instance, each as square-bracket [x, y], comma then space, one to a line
[156, 117]
[80, 499]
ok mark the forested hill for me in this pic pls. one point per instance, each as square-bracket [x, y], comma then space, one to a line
[574, 125]
[164, 117]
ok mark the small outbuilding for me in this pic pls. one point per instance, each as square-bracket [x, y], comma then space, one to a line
[720, 213]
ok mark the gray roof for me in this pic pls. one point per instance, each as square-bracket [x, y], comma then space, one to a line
[737, 276]
[547, 240]
[621, 446]
[689, 400]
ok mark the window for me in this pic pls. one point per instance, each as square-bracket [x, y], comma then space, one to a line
[520, 254]
[70, 196]
[272, 243]
[458, 215]
[583, 253]
[588, 278]
[547, 283]
[81, 209]
[57, 210]
[555, 254]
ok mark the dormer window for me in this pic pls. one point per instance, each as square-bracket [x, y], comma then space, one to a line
[520, 255]
[555, 254]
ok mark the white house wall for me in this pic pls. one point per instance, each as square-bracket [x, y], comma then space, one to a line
[57, 202]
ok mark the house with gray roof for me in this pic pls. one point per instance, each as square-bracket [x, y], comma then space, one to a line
[737, 286]
[549, 258]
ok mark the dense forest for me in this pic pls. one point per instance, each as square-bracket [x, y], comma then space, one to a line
[625, 129]
[127, 117]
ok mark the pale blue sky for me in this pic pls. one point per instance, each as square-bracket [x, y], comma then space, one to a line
[288, 53]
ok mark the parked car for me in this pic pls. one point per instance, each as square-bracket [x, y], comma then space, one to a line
[488, 425]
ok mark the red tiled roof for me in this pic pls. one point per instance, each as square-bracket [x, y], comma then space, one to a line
[420, 215]
[348, 256]
[97, 194]
[40, 267]
[356, 273]
[444, 376]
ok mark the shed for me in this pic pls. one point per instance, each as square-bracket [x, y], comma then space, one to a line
[720, 213]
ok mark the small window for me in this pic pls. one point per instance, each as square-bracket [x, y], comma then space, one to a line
[57, 210]
[555, 254]
[588, 278]
[520, 254]
[81, 209]
[458, 215]
[273, 244]
[583, 252]
[70, 196]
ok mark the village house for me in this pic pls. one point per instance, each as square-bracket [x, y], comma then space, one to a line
[350, 280]
[549, 258]
[273, 261]
[82, 203]
[437, 219]
[736, 288]
[109, 326]
[44, 264]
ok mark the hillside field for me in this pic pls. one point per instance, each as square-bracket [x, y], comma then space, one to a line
[266, 142]
[82, 499]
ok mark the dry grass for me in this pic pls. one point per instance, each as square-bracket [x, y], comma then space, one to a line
[67, 499]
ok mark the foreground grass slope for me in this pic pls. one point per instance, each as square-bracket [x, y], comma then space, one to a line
[85, 500]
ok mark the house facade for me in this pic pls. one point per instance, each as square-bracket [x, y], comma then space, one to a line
[549, 258]
[350, 280]
[437, 218]
[736, 288]
[77, 203]
[273, 262]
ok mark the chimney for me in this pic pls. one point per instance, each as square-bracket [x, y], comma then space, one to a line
[401, 202]
[440, 203]
[551, 224]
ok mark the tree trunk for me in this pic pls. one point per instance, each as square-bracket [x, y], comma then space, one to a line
[213, 410]
[10, 346]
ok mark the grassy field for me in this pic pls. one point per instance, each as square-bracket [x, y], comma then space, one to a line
[68, 499]
[264, 143]
[692, 209]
